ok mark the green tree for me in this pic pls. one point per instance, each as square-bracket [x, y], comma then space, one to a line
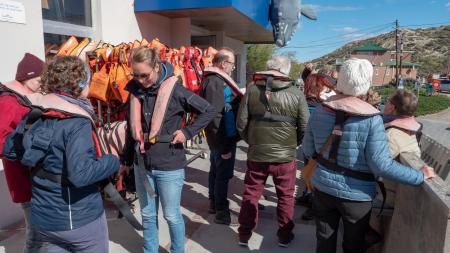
[296, 66]
[257, 56]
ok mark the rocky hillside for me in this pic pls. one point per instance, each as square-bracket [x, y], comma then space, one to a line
[431, 48]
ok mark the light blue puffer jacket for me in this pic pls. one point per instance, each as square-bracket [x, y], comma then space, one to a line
[363, 147]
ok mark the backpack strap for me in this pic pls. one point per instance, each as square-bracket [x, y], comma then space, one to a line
[331, 162]
[268, 115]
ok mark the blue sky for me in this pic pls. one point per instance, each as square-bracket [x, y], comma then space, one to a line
[340, 22]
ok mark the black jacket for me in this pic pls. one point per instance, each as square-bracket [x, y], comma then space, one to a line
[213, 91]
[165, 156]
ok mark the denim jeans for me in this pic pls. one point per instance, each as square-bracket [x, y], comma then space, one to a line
[32, 245]
[168, 186]
[220, 173]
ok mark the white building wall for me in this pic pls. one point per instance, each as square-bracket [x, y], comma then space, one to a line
[17, 39]
[117, 21]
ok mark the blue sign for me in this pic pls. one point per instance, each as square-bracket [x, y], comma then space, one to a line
[418, 85]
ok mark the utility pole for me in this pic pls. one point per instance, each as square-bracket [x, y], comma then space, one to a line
[396, 53]
[401, 55]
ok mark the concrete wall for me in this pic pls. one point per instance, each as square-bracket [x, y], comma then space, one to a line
[118, 22]
[420, 222]
[241, 52]
[180, 32]
[16, 39]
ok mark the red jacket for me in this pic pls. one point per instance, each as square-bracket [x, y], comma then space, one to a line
[17, 176]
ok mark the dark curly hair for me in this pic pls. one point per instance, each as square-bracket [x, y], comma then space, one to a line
[64, 74]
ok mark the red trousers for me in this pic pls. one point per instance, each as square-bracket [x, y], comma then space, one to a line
[255, 178]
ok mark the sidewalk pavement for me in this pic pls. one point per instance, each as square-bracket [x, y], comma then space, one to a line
[437, 126]
[202, 234]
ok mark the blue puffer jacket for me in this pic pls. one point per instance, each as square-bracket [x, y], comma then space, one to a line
[363, 147]
[71, 153]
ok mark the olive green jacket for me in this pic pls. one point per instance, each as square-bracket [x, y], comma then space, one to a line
[272, 141]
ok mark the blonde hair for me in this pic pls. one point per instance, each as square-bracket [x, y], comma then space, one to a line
[146, 55]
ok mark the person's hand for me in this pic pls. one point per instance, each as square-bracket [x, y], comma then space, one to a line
[124, 170]
[178, 137]
[226, 156]
[428, 172]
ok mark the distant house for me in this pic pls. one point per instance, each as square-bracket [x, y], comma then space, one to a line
[383, 62]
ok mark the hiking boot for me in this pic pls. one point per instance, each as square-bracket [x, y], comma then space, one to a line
[286, 242]
[212, 207]
[225, 217]
[308, 214]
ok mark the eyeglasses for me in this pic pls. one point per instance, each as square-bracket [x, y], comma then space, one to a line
[232, 63]
[140, 76]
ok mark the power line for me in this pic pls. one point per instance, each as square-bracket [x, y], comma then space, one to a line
[358, 31]
[339, 41]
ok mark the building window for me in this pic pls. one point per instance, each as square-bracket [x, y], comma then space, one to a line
[388, 71]
[65, 18]
[68, 11]
[376, 71]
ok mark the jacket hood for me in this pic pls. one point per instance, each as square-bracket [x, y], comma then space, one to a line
[351, 105]
[276, 84]
[166, 72]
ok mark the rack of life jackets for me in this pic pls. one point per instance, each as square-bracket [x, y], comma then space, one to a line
[111, 68]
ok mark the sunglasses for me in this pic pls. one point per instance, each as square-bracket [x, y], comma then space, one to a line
[140, 76]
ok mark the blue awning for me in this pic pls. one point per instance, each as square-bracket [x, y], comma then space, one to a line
[246, 20]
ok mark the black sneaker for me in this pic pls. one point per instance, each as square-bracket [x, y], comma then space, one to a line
[285, 243]
[225, 217]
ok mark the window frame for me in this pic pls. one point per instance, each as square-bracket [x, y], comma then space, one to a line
[68, 29]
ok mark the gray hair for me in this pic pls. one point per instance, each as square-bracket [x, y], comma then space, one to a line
[280, 63]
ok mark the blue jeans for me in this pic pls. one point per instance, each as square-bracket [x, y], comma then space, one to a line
[167, 186]
[220, 173]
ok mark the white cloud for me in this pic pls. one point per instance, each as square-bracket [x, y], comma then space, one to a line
[358, 36]
[346, 29]
[329, 8]
[448, 5]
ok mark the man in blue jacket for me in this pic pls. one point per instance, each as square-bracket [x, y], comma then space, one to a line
[344, 179]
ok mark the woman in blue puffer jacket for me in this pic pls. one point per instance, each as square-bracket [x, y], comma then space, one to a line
[342, 186]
